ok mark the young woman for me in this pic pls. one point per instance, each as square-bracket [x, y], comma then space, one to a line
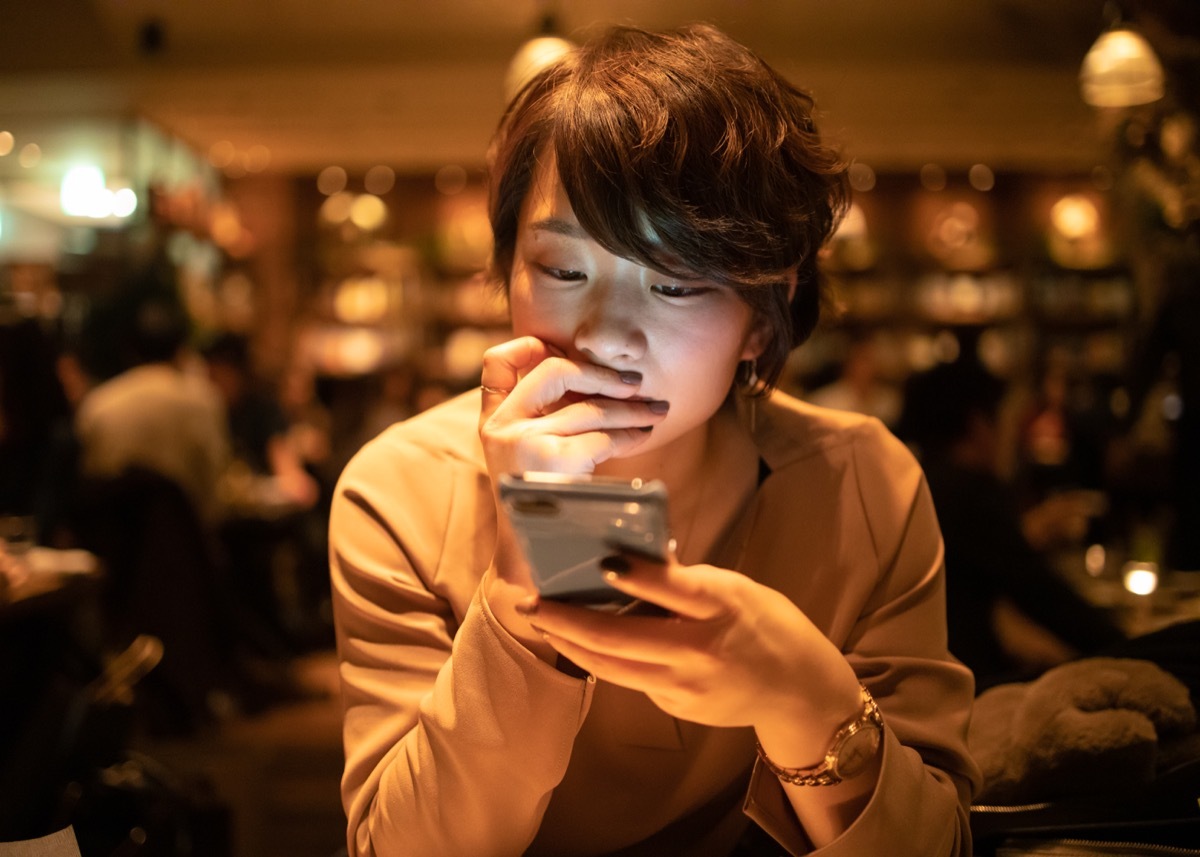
[657, 203]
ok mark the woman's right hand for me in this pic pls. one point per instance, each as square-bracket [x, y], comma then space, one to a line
[543, 411]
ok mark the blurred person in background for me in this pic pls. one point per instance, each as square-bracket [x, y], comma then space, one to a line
[37, 441]
[1010, 615]
[860, 386]
[156, 414]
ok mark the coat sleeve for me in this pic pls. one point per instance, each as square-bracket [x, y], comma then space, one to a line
[438, 699]
[890, 623]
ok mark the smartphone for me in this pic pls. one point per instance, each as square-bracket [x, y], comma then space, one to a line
[568, 523]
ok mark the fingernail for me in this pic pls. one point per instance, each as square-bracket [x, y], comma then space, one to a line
[659, 407]
[527, 607]
[630, 377]
[616, 564]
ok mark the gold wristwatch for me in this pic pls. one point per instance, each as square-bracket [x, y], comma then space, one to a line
[852, 749]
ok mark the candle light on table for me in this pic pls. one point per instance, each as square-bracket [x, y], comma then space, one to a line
[1141, 578]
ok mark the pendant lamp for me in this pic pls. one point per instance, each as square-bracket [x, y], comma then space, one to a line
[533, 56]
[1121, 70]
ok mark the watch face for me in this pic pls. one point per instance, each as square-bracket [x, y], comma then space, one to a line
[857, 751]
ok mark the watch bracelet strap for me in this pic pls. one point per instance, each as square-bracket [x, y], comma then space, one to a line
[822, 774]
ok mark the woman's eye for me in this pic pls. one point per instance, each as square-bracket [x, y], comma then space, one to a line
[671, 290]
[564, 274]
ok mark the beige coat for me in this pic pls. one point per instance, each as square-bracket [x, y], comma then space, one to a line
[460, 741]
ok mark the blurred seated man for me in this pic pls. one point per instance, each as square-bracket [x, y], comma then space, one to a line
[1010, 615]
[156, 415]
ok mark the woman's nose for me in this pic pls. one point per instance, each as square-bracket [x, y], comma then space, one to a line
[609, 330]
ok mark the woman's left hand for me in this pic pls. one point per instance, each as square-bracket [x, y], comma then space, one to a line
[734, 652]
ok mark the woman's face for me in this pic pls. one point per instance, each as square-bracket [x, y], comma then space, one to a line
[685, 337]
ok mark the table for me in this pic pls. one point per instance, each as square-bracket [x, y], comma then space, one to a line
[1100, 576]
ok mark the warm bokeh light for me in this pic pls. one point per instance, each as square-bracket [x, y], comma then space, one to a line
[1177, 137]
[862, 177]
[331, 180]
[257, 158]
[6, 142]
[450, 179]
[336, 209]
[463, 354]
[358, 352]
[1095, 560]
[981, 177]
[933, 177]
[221, 154]
[361, 301]
[30, 156]
[1141, 578]
[532, 57]
[379, 180]
[464, 234]
[1075, 217]
[225, 225]
[368, 212]
[956, 225]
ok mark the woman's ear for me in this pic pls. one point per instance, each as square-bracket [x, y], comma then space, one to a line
[756, 340]
[760, 334]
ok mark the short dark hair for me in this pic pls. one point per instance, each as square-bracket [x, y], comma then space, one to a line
[230, 349]
[161, 327]
[684, 152]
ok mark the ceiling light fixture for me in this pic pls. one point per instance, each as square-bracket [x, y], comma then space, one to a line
[1121, 70]
[538, 53]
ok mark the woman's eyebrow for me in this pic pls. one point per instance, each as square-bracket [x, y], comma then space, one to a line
[559, 226]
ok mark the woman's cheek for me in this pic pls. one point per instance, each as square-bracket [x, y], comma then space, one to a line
[541, 316]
